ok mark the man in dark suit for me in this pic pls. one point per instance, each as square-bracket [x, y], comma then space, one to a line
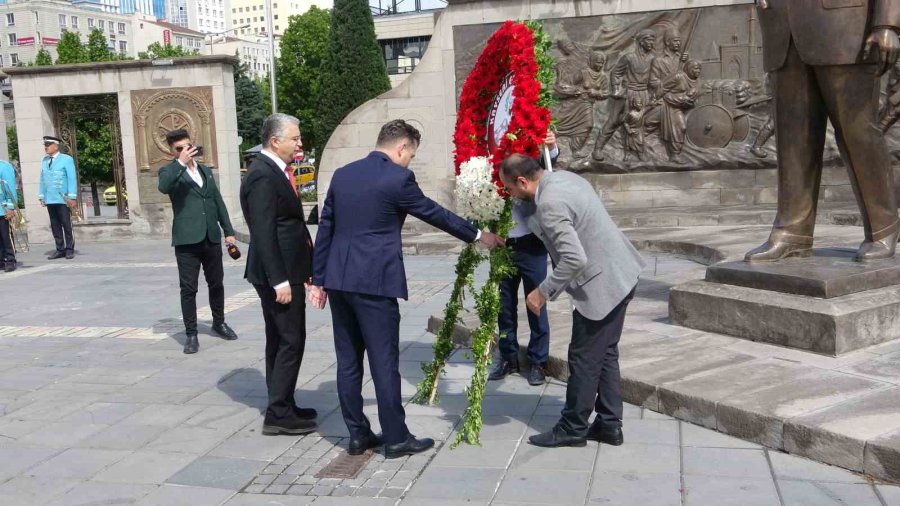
[823, 56]
[199, 211]
[359, 264]
[278, 266]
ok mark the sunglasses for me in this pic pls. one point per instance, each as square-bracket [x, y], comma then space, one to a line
[179, 149]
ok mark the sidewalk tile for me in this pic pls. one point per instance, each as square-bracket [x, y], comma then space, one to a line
[726, 462]
[645, 489]
[145, 467]
[456, 483]
[721, 491]
[218, 472]
[168, 495]
[807, 493]
[545, 485]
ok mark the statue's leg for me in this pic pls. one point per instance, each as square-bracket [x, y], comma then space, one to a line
[765, 133]
[612, 124]
[800, 118]
[851, 95]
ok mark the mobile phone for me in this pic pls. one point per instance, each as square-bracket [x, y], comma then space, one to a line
[199, 151]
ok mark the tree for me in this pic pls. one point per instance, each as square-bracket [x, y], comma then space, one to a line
[249, 106]
[97, 49]
[95, 155]
[303, 48]
[157, 50]
[354, 70]
[43, 58]
[69, 49]
[12, 137]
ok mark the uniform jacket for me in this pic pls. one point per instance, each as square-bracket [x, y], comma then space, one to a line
[57, 182]
[9, 197]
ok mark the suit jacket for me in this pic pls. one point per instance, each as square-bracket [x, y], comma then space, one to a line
[198, 212]
[280, 244]
[58, 182]
[594, 262]
[825, 32]
[358, 246]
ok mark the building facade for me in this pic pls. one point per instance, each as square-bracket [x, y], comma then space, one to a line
[253, 13]
[403, 38]
[148, 30]
[207, 16]
[254, 53]
[108, 6]
[26, 26]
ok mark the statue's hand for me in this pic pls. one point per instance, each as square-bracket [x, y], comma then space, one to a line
[888, 48]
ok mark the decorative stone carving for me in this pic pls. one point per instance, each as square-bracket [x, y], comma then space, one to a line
[157, 112]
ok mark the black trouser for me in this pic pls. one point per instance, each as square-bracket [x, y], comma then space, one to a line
[368, 324]
[285, 342]
[594, 371]
[190, 258]
[7, 251]
[530, 259]
[61, 225]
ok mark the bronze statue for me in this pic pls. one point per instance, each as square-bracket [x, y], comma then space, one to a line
[574, 111]
[822, 55]
[890, 112]
[667, 64]
[679, 94]
[634, 131]
[629, 79]
[594, 77]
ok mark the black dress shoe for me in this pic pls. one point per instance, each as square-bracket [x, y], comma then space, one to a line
[411, 446]
[9, 266]
[224, 330]
[55, 255]
[359, 446]
[555, 438]
[502, 368]
[295, 426]
[305, 413]
[70, 254]
[191, 344]
[536, 376]
[611, 435]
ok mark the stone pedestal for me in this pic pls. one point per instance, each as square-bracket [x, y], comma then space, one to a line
[827, 303]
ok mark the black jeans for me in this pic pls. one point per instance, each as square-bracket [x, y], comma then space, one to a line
[285, 343]
[190, 258]
[61, 226]
[594, 379]
[7, 251]
[530, 258]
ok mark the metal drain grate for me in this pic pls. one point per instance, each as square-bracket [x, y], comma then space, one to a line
[345, 466]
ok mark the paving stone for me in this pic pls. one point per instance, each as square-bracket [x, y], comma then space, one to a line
[443, 483]
[695, 399]
[728, 462]
[123, 437]
[367, 491]
[638, 459]
[567, 458]
[805, 493]
[218, 472]
[838, 435]
[489, 454]
[321, 490]
[664, 432]
[759, 415]
[723, 491]
[266, 500]
[145, 467]
[255, 488]
[543, 485]
[276, 489]
[34, 489]
[167, 495]
[692, 435]
[102, 493]
[646, 489]
[299, 490]
[77, 463]
[792, 467]
[15, 460]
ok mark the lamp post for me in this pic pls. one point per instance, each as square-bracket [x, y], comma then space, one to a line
[212, 36]
[271, 32]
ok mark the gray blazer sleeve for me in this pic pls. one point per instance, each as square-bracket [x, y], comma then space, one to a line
[555, 219]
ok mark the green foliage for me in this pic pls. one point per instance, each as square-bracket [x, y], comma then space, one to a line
[354, 70]
[157, 50]
[97, 49]
[264, 88]
[95, 151]
[43, 58]
[308, 196]
[303, 48]
[70, 49]
[545, 75]
[250, 109]
[13, 138]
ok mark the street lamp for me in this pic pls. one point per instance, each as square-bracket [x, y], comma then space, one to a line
[213, 35]
[271, 55]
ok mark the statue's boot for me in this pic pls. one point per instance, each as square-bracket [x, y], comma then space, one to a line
[758, 151]
[598, 152]
[781, 245]
[880, 248]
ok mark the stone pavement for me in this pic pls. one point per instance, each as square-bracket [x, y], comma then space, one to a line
[93, 415]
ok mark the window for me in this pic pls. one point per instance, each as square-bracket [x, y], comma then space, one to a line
[121, 28]
[275, 16]
[112, 27]
[62, 20]
[91, 23]
[10, 19]
[74, 21]
[13, 41]
[13, 59]
[254, 7]
[276, 28]
[123, 47]
[402, 55]
[179, 40]
[101, 24]
[275, 6]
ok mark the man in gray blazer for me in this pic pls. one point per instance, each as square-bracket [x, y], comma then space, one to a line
[599, 268]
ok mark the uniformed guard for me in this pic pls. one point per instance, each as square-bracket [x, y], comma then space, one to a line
[8, 203]
[57, 192]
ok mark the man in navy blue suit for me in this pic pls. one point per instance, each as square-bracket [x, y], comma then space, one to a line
[358, 265]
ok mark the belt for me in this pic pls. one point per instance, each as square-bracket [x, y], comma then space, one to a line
[525, 240]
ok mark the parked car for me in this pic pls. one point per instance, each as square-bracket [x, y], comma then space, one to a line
[109, 195]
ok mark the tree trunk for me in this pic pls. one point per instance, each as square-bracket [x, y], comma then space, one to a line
[96, 198]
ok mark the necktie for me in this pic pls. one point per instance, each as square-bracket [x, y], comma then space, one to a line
[50, 162]
[290, 174]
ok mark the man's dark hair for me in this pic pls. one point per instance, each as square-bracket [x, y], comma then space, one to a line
[176, 135]
[396, 130]
[518, 165]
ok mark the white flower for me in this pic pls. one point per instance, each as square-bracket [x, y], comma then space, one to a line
[476, 194]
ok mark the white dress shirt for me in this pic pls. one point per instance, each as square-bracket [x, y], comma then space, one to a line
[193, 171]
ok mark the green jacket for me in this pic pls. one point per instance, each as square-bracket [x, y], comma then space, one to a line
[198, 211]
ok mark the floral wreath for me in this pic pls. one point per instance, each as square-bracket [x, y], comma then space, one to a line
[519, 50]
